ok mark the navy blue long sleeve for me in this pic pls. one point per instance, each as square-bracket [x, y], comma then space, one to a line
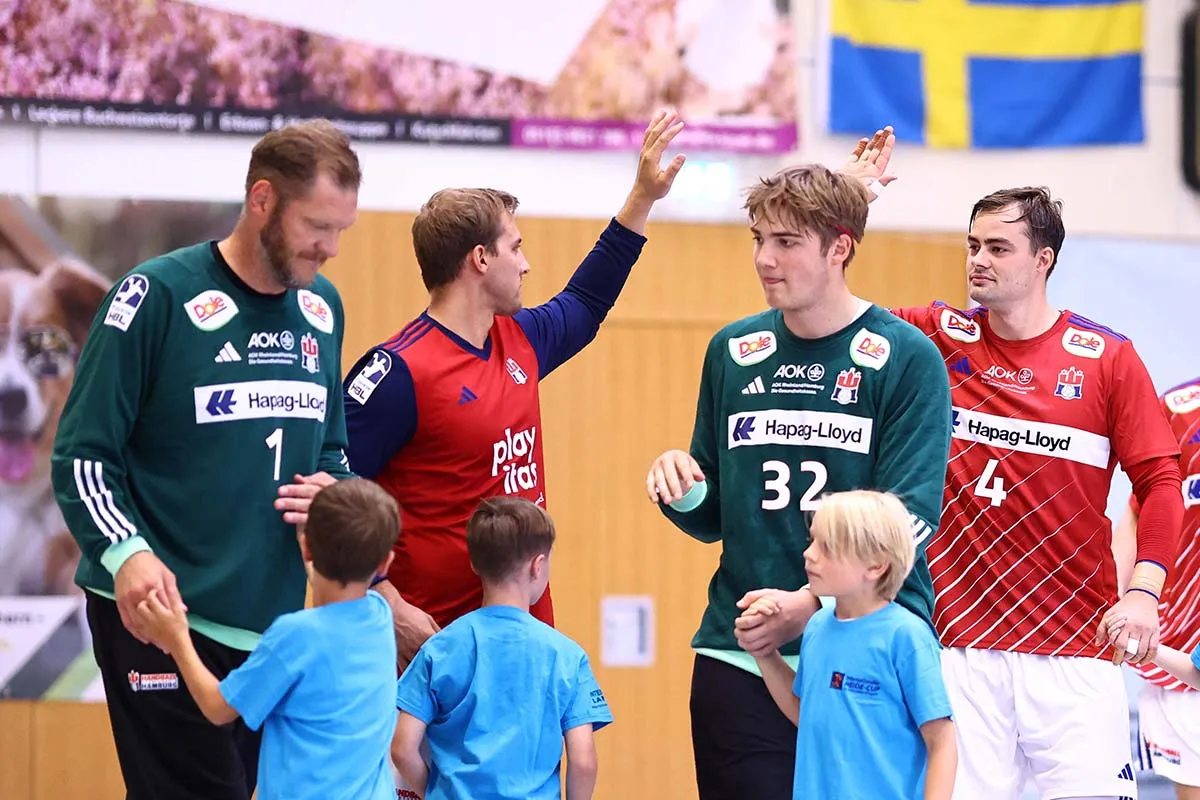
[567, 322]
[557, 330]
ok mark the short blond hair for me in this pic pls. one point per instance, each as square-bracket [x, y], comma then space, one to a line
[870, 527]
[812, 198]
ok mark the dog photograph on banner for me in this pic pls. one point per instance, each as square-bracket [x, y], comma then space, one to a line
[59, 257]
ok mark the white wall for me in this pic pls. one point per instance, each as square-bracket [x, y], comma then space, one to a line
[1114, 191]
[1124, 191]
[396, 176]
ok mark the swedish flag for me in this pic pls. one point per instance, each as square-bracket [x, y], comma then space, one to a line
[989, 73]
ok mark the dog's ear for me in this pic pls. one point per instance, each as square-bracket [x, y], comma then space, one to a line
[80, 290]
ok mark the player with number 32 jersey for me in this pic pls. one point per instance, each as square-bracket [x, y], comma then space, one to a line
[782, 421]
[1023, 560]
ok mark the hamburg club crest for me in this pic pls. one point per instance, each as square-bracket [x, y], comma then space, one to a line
[1070, 384]
[309, 351]
[845, 391]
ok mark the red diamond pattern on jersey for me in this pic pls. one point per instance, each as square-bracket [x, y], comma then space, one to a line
[1179, 606]
[1023, 560]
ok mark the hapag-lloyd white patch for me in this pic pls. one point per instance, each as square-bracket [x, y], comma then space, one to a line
[800, 429]
[229, 402]
[1039, 438]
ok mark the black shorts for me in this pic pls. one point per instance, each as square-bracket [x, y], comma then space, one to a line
[743, 744]
[166, 747]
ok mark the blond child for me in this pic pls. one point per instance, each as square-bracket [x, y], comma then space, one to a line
[877, 722]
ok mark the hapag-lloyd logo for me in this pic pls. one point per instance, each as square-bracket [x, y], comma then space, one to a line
[507, 454]
[800, 429]
[230, 402]
[1039, 438]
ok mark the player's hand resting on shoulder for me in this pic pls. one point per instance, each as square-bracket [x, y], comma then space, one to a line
[671, 476]
[412, 625]
[761, 634]
[295, 498]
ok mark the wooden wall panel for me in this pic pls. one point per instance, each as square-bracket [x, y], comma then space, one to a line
[73, 753]
[16, 750]
[606, 415]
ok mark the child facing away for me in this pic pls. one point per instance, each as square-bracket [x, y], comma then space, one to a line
[877, 722]
[496, 692]
[321, 682]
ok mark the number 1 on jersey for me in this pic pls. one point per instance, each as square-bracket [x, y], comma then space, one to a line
[783, 493]
[275, 442]
[989, 486]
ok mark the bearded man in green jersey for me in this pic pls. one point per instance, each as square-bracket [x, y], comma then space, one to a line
[205, 414]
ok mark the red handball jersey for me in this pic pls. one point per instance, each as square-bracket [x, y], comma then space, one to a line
[1022, 560]
[478, 434]
[1179, 606]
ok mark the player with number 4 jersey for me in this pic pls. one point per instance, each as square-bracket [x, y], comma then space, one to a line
[1024, 561]
[1046, 404]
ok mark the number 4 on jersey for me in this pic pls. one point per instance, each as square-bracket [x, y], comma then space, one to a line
[989, 486]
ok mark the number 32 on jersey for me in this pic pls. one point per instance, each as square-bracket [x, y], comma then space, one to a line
[778, 484]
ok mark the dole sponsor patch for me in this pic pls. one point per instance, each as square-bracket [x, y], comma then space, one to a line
[210, 310]
[752, 348]
[870, 350]
[315, 310]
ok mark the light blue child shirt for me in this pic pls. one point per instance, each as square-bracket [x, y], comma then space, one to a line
[498, 690]
[321, 683]
[866, 686]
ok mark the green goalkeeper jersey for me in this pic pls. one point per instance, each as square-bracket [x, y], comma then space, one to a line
[194, 398]
[782, 421]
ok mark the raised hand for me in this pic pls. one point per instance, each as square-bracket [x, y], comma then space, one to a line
[869, 161]
[652, 179]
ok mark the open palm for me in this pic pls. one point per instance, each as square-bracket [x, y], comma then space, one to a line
[870, 159]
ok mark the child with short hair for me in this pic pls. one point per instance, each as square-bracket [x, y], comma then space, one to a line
[496, 692]
[321, 681]
[877, 722]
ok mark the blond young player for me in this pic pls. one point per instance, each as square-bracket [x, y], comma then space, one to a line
[877, 722]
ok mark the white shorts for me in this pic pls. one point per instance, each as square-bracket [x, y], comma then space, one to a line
[1062, 723]
[1169, 729]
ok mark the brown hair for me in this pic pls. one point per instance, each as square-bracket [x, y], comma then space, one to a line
[291, 157]
[504, 533]
[351, 526]
[812, 198]
[451, 224]
[1041, 213]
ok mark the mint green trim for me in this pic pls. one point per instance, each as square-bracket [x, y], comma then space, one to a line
[119, 553]
[741, 659]
[693, 498]
[237, 638]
